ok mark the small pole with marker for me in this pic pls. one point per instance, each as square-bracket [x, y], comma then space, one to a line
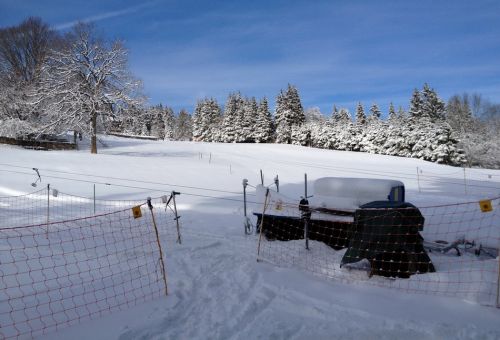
[247, 224]
[162, 263]
[245, 183]
[175, 193]
[305, 212]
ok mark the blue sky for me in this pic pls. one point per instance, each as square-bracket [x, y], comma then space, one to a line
[335, 52]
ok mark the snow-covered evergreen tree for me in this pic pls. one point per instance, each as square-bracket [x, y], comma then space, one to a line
[341, 117]
[289, 113]
[263, 132]
[402, 115]
[416, 105]
[231, 123]
[360, 114]
[301, 134]
[169, 122]
[432, 106]
[393, 117]
[334, 114]
[249, 119]
[206, 120]
[375, 112]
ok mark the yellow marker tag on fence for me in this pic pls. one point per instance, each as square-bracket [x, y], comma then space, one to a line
[136, 211]
[485, 205]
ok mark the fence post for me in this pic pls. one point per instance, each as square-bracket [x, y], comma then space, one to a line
[247, 223]
[48, 210]
[262, 224]
[305, 186]
[179, 240]
[261, 177]
[94, 199]
[277, 183]
[305, 213]
[498, 280]
[162, 263]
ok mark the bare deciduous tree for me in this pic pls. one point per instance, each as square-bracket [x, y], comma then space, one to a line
[23, 50]
[85, 83]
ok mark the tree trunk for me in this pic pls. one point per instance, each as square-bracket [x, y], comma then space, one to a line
[93, 137]
[75, 135]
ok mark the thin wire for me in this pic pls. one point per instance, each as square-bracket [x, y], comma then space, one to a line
[400, 175]
[121, 179]
[350, 170]
[126, 186]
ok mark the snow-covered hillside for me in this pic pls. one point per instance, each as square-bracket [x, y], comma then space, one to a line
[217, 288]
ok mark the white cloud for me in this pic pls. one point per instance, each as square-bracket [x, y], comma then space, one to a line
[102, 16]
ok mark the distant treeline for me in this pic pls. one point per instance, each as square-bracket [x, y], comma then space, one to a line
[52, 83]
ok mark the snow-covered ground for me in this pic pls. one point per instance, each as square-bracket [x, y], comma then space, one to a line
[217, 289]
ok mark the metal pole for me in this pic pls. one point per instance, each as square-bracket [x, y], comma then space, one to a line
[498, 280]
[245, 183]
[277, 182]
[262, 224]
[306, 232]
[306, 213]
[305, 186]
[48, 210]
[94, 199]
[246, 224]
[162, 263]
[179, 240]
[418, 179]
[261, 177]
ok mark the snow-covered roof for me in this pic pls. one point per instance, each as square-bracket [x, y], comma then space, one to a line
[341, 193]
[334, 193]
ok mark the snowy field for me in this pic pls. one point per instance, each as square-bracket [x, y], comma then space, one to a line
[217, 289]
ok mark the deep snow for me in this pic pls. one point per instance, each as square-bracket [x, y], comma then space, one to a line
[217, 289]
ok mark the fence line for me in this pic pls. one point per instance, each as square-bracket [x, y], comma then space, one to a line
[456, 253]
[58, 274]
[31, 208]
[80, 267]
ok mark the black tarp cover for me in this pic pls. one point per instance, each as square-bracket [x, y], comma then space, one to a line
[387, 234]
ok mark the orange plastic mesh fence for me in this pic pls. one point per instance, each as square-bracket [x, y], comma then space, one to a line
[456, 253]
[59, 274]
